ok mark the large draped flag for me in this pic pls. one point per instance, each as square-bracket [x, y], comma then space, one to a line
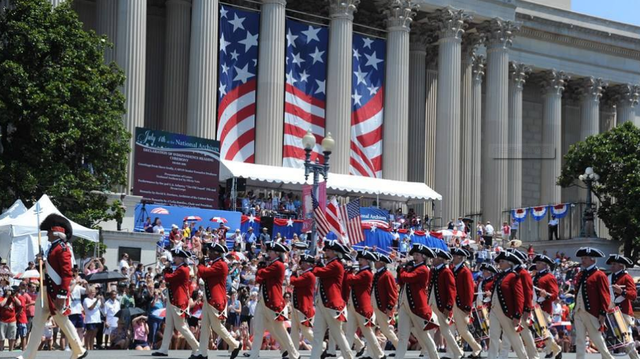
[367, 106]
[306, 76]
[238, 62]
[287, 227]
[423, 238]
[247, 222]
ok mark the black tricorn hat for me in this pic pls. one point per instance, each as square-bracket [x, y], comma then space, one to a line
[57, 223]
[617, 258]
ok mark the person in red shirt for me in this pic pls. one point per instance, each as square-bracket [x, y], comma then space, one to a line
[9, 307]
[303, 282]
[23, 320]
[442, 296]
[465, 288]
[385, 297]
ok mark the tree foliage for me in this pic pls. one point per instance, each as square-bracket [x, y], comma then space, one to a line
[60, 112]
[615, 156]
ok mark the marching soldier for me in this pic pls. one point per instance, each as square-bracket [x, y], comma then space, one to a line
[214, 311]
[330, 307]
[303, 283]
[527, 291]
[545, 293]
[592, 303]
[507, 304]
[360, 309]
[385, 297]
[623, 292]
[414, 309]
[178, 306]
[271, 312]
[485, 286]
[464, 299]
[58, 264]
[442, 297]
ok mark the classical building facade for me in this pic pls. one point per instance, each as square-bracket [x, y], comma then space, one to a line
[482, 98]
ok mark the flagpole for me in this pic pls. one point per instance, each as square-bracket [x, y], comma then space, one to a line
[41, 254]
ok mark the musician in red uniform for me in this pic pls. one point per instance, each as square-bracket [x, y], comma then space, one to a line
[545, 292]
[214, 311]
[414, 310]
[303, 282]
[58, 265]
[623, 292]
[442, 297]
[385, 297]
[507, 304]
[485, 286]
[271, 312]
[592, 303]
[178, 286]
[359, 305]
[465, 288]
[330, 307]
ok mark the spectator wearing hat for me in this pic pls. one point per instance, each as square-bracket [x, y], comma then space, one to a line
[385, 295]
[507, 305]
[592, 303]
[442, 297]
[485, 286]
[414, 311]
[623, 293]
[465, 289]
[359, 305]
[264, 236]
[214, 311]
[545, 294]
[303, 282]
[178, 284]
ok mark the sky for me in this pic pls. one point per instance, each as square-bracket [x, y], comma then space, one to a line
[627, 11]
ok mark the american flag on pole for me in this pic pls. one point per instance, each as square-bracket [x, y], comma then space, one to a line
[333, 217]
[367, 104]
[306, 76]
[238, 61]
[322, 225]
[350, 215]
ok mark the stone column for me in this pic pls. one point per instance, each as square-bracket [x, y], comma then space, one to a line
[590, 91]
[417, 106]
[132, 36]
[430, 118]
[270, 100]
[476, 123]
[176, 66]
[495, 128]
[107, 24]
[339, 73]
[56, 2]
[553, 84]
[155, 67]
[518, 73]
[203, 70]
[626, 98]
[396, 97]
[469, 47]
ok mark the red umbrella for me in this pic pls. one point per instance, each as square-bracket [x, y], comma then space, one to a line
[219, 220]
[192, 219]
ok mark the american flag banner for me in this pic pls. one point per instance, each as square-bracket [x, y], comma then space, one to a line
[367, 106]
[322, 225]
[306, 76]
[237, 65]
[350, 215]
[333, 217]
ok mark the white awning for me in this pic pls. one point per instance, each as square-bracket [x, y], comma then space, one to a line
[286, 178]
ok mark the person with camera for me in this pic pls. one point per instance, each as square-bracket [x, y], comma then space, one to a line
[9, 306]
[214, 311]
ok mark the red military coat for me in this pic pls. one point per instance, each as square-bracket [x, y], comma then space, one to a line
[508, 288]
[385, 290]
[443, 286]
[346, 288]
[629, 292]
[178, 286]
[547, 281]
[596, 296]
[361, 284]
[414, 281]
[527, 287]
[330, 284]
[215, 283]
[464, 287]
[270, 279]
[303, 288]
[59, 273]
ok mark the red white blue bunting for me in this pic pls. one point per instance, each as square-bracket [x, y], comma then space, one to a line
[560, 210]
[539, 212]
[520, 214]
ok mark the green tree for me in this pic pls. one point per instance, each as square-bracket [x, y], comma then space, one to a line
[60, 112]
[615, 156]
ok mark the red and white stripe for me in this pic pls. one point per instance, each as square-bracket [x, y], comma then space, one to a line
[333, 217]
[353, 227]
[302, 112]
[366, 138]
[236, 123]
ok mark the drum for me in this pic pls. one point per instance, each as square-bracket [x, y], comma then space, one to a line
[539, 326]
[479, 325]
[617, 333]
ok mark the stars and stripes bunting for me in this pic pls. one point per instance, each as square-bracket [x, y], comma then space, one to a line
[322, 225]
[238, 61]
[367, 106]
[333, 217]
[306, 76]
[350, 215]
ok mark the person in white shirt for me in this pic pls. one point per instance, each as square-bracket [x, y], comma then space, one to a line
[238, 243]
[110, 308]
[77, 290]
[91, 305]
[515, 225]
[124, 262]
[553, 228]
[488, 234]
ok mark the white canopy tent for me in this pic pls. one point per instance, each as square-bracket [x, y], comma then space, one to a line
[16, 209]
[19, 234]
[286, 178]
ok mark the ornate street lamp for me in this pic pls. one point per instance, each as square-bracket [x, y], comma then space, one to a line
[589, 177]
[309, 142]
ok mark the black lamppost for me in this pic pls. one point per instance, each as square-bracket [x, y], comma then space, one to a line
[587, 219]
[309, 142]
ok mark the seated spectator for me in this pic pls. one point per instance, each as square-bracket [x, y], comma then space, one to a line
[120, 337]
[47, 335]
[140, 333]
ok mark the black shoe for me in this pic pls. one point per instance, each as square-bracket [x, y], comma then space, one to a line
[392, 355]
[246, 354]
[359, 354]
[325, 355]
[285, 354]
[471, 356]
[86, 352]
[159, 354]
[559, 356]
[234, 353]
[195, 356]
[548, 356]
